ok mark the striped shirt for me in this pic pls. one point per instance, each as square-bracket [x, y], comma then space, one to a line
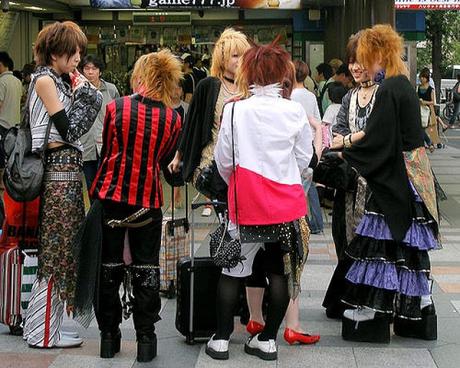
[139, 134]
[39, 117]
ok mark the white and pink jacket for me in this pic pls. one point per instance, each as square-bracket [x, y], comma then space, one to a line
[272, 147]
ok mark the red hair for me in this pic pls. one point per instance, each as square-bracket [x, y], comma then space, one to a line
[267, 64]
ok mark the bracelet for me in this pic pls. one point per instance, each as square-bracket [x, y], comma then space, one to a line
[347, 141]
[343, 140]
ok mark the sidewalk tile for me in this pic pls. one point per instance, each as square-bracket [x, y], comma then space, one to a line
[383, 357]
[238, 359]
[315, 356]
[20, 360]
[447, 356]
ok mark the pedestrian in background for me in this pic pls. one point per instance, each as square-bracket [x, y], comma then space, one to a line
[10, 103]
[92, 68]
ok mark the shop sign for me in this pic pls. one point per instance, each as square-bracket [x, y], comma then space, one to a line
[428, 4]
[190, 4]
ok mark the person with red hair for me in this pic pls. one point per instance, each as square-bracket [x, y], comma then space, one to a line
[390, 273]
[271, 140]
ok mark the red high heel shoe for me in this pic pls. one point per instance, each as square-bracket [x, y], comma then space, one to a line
[254, 328]
[292, 337]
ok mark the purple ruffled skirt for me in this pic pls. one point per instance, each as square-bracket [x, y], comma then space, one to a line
[384, 269]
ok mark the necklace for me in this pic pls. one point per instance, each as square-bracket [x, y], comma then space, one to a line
[366, 91]
[227, 89]
[230, 80]
[367, 84]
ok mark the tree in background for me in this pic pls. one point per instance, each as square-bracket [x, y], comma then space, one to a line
[442, 44]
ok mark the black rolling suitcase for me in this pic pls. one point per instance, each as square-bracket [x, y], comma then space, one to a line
[197, 280]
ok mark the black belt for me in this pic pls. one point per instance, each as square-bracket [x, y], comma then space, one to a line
[66, 160]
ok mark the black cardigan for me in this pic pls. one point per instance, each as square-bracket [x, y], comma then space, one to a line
[197, 131]
[393, 128]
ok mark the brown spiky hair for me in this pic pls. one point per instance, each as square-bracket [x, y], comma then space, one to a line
[381, 42]
[266, 64]
[59, 39]
[157, 74]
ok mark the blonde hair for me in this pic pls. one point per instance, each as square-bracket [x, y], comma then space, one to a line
[157, 74]
[382, 42]
[229, 42]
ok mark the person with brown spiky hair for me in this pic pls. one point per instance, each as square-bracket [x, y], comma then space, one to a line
[390, 271]
[140, 134]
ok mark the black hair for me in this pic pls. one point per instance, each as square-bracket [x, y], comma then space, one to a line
[343, 69]
[28, 69]
[190, 61]
[325, 69]
[336, 92]
[17, 74]
[6, 60]
[92, 59]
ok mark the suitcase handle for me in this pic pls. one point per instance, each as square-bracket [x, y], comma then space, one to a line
[208, 203]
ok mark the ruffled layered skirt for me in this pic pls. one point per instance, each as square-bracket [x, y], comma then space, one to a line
[389, 276]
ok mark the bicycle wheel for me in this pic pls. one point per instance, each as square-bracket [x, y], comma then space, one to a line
[448, 111]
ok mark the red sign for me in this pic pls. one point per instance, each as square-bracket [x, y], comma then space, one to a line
[428, 4]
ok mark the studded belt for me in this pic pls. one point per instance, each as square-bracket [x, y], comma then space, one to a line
[62, 176]
[59, 160]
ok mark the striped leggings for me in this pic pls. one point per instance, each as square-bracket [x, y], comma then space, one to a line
[44, 315]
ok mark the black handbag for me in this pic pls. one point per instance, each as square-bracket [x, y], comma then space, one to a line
[334, 172]
[24, 169]
[210, 183]
[226, 251]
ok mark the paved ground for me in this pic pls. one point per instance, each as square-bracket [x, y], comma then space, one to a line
[331, 351]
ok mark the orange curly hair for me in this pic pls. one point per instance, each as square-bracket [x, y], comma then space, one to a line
[381, 42]
[157, 75]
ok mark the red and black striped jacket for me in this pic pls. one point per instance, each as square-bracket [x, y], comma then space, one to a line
[139, 134]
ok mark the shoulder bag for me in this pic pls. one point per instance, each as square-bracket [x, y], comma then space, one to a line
[226, 251]
[24, 169]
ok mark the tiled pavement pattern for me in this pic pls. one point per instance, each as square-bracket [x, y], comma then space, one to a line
[331, 351]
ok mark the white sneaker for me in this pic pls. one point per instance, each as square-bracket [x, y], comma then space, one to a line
[206, 212]
[73, 334]
[217, 349]
[359, 315]
[69, 342]
[265, 350]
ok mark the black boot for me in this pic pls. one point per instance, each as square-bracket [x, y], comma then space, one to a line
[108, 308]
[110, 343]
[425, 329]
[146, 348]
[146, 307]
[373, 330]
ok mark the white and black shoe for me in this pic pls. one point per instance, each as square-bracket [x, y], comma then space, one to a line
[69, 342]
[265, 350]
[217, 349]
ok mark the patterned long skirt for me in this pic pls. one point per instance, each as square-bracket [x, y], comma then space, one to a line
[61, 214]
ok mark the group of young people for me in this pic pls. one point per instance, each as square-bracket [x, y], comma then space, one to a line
[249, 120]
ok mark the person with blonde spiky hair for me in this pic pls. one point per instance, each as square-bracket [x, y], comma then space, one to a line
[202, 124]
[139, 137]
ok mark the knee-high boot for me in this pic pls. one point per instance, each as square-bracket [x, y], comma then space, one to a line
[146, 308]
[108, 311]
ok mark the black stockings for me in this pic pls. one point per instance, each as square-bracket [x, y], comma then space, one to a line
[227, 302]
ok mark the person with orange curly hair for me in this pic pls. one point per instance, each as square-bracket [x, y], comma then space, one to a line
[390, 274]
[140, 134]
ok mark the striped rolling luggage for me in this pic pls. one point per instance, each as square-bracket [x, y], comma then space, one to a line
[174, 246]
[10, 286]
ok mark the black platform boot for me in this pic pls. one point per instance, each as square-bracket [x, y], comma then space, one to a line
[371, 330]
[108, 311]
[146, 348]
[425, 328]
[110, 343]
[146, 308]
